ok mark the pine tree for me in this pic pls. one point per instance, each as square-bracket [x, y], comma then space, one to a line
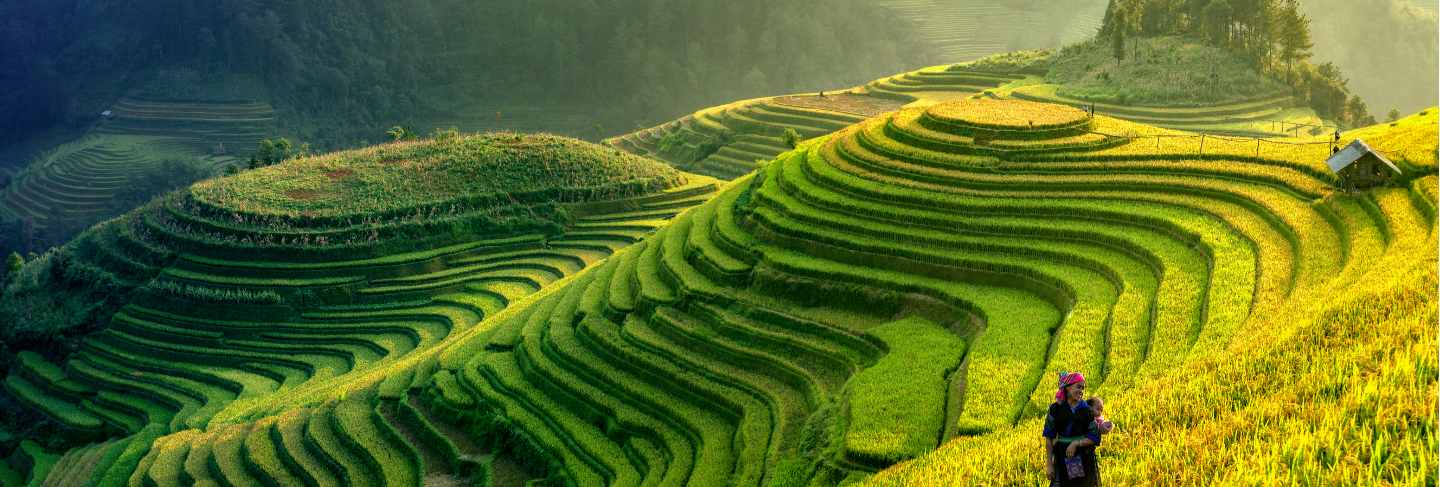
[1117, 41]
[1294, 32]
[1218, 15]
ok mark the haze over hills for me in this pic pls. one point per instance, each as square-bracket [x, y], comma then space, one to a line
[202, 87]
[1386, 47]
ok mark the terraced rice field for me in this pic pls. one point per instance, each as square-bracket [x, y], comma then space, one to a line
[758, 125]
[232, 319]
[907, 280]
[197, 126]
[719, 347]
[1269, 116]
[965, 30]
[78, 182]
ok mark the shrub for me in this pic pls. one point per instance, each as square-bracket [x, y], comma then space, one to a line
[792, 137]
[399, 133]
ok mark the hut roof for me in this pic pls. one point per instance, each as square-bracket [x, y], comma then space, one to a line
[1353, 152]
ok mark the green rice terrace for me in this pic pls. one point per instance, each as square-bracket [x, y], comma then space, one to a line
[254, 295]
[79, 183]
[201, 126]
[503, 309]
[727, 141]
[78, 180]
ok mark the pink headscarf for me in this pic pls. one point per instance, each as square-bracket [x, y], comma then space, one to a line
[1067, 379]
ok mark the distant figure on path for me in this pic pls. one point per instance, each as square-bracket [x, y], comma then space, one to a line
[1071, 436]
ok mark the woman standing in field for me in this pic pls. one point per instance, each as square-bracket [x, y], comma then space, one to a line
[1071, 436]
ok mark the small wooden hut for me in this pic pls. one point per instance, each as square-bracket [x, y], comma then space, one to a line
[1360, 166]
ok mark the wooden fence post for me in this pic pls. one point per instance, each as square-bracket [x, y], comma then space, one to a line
[1202, 144]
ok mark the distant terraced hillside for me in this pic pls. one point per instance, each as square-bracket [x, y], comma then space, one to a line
[251, 295]
[1273, 115]
[965, 30]
[199, 126]
[77, 184]
[726, 141]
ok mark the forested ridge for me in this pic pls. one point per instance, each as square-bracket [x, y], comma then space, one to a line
[352, 67]
[1274, 36]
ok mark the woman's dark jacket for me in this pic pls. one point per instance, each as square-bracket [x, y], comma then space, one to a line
[1065, 425]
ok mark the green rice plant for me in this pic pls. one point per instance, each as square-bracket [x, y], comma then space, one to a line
[708, 409]
[1236, 268]
[622, 415]
[525, 430]
[158, 404]
[1080, 342]
[428, 434]
[41, 461]
[623, 292]
[227, 461]
[115, 469]
[778, 390]
[288, 436]
[1090, 272]
[263, 458]
[322, 438]
[169, 451]
[386, 455]
[933, 202]
[896, 408]
[176, 289]
[73, 466]
[64, 411]
[706, 254]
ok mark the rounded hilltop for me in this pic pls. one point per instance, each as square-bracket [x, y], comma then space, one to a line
[994, 114]
[386, 209]
[463, 171]
[978, 130]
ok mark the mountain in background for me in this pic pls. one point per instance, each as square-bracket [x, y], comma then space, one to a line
[1386, 47]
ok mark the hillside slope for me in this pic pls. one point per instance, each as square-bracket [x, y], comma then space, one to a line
[727, 141]
[908, 280]
[109, 169]
[1332, 387]
[748, 340]
[286, 285]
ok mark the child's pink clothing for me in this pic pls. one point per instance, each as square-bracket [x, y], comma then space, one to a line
[1104, 425]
